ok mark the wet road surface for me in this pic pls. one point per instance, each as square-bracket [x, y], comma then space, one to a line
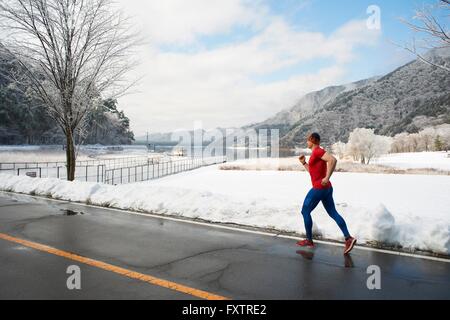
[208, 261]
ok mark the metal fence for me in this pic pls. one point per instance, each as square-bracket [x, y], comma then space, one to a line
[111, 171]
[113, 162]
[82, 173]
[86, 170]
[152, 171]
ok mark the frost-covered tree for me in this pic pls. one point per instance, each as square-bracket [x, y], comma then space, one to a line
[426, 138]
[432, 24]
[429, 139]
[365, 144]
[339, 149]
[72, 52]
[108, 125]
[444, 133]
[413, 142]
[24, 121]
[400, 143]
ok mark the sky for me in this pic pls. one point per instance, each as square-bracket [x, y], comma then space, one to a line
[229, 63]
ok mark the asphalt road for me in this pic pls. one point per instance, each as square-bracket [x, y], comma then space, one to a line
[228, 263]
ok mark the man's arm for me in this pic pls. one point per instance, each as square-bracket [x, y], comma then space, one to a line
[303, 162]
[331, 166]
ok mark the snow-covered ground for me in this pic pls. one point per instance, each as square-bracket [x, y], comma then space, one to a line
[418, 160]
[428, 163]
[409, 210]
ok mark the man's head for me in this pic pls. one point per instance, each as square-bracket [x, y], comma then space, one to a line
[313, 140]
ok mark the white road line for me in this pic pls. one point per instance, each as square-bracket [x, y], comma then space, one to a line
[217, 226]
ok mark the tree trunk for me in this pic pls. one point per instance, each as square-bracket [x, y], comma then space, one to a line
[70, 156]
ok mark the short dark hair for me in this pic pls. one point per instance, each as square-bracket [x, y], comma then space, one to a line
[314, 138]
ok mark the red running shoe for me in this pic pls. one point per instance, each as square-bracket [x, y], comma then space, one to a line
[349, 244]
[305, 243]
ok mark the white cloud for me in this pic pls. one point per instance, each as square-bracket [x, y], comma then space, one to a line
[218, 86]
[181, 21]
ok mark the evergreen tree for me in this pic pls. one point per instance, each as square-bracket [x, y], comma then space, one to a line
[438, 144]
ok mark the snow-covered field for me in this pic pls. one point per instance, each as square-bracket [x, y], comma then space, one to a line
[407, 163]
[418, 160]
[408, 210]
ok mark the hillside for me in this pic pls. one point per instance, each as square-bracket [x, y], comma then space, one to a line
[408, 99]
[306, 106]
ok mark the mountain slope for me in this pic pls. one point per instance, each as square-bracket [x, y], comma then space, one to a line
[410, 98]
[306, 106]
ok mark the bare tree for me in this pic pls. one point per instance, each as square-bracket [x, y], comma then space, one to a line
[71, 53]
[432, 24]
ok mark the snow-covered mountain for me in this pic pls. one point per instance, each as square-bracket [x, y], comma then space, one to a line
[308, 104]
[410, 98]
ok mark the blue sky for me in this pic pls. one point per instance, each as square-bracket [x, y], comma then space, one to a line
[233, 62]
[326, 16]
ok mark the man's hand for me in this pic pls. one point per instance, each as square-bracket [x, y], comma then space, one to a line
[302, 159]
[325, 181]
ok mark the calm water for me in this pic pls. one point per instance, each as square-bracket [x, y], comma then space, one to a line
[241, 153]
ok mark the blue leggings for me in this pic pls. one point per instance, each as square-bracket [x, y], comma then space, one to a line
[312, 200]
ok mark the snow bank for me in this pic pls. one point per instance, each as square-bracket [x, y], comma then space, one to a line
[407, 210]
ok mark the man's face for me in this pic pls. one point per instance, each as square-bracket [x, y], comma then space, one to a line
[309, 143]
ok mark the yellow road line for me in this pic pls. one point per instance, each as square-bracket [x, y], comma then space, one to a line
[109, 267]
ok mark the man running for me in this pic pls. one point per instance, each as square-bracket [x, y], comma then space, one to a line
[321, 166]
